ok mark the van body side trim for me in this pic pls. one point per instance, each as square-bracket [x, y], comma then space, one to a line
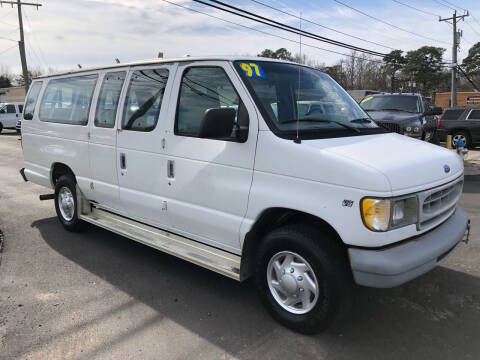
[203, 255]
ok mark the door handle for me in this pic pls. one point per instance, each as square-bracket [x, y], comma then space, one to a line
[123, 161]
[171, 169]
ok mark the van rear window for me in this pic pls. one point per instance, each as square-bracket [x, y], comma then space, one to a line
[68, 100]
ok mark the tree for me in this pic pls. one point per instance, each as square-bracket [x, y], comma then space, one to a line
[424, 66]
[32, 74]
[394, 61]
[5, 81]
[471, 63]
[281, 53]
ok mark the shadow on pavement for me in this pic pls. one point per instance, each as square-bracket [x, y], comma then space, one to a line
[435, 316]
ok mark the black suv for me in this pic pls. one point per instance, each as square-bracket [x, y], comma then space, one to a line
[406, 114]
[462, 123]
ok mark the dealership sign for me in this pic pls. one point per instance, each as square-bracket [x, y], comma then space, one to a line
[473, 99]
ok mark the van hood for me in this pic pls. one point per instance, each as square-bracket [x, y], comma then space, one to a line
[405, 162]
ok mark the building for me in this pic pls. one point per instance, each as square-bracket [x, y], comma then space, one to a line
[12, 94]
[463, 99]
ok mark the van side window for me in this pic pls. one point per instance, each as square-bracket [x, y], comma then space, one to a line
[20, 108]
[68, 100]
[108, 99]
[31, 101]
[144, 99]
[11, 109]
[205, 88]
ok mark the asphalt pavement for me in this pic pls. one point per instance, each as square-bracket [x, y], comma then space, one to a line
[97, 295]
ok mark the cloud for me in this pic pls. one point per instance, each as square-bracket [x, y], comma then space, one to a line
[95, 32]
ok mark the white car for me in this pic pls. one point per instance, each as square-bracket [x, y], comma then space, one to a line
[10, 113]
[211, 160]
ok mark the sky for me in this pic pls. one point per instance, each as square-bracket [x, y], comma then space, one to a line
[64, 33]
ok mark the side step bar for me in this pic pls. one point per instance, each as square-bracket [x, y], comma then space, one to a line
[203, 255]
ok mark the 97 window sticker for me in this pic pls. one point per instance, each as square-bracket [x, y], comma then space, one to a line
[252, 70]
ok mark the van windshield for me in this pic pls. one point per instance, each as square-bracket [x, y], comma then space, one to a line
[407, 103]
[291, 96]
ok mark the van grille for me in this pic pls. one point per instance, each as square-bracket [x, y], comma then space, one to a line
[391, 126]
[439, 203]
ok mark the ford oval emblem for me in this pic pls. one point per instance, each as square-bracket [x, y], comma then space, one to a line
[446, 168]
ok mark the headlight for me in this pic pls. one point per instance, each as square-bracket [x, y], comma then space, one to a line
[386, 214]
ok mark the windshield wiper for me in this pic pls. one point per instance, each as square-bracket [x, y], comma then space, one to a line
[392, 110]
[324, 121]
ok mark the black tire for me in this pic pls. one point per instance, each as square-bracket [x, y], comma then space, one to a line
[1, 127]
[18, 131]
[74, 224]
[468, 142]
[330, 266]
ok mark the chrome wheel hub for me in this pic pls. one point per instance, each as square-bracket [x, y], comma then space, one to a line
[66, 203]
[292, 282]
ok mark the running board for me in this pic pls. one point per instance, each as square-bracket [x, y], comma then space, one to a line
[203, 255]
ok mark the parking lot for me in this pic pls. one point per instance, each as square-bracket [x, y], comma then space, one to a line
[96, 295]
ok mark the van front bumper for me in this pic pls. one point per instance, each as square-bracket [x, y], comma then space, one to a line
[396, 265]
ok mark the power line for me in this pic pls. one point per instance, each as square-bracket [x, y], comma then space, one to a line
[454, 5]
[441, 3]
[281, 26]
[417, 9]
[10, 48]
[387, 23]
[42, 55]
[267, 33]
[320, 25]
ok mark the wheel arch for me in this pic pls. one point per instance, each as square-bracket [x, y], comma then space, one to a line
[59, 169]
[273, 218]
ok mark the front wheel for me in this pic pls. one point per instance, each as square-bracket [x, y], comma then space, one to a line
[66, 203]
[303, 279]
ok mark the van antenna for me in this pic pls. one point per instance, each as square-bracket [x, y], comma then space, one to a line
[79, 66]
[297, 140]
[117, 61]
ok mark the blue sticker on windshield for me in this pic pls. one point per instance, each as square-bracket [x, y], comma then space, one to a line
[252, 70]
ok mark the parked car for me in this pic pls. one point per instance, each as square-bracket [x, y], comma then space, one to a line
[406, 114]
[463, 124]
[246, 166]
[9, 114]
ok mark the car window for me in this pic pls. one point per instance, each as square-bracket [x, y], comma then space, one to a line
[3, 109]
[452, 114]
[474, 115]
[205, 88]
[107, 103]
[31, 101]
[68, 100]
[11, 109]
[20, 108]
[144, 99]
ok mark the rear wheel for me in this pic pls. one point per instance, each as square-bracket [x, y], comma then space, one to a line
[461, 135]
[303, 279]
[66, 203]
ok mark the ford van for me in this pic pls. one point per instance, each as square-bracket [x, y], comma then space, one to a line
[10, 113]
[249, 167]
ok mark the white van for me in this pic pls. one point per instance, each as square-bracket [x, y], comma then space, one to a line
[9, 115]
[246, 166]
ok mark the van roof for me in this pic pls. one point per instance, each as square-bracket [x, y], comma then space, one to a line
[166, 61]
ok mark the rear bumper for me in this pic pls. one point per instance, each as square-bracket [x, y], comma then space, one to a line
[396, 265]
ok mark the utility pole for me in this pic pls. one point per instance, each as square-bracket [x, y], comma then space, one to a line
[456, 41]
[21, 43]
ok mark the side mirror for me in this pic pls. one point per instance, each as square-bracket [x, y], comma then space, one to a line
[217, 123]
[436, 110]
[28, 116]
